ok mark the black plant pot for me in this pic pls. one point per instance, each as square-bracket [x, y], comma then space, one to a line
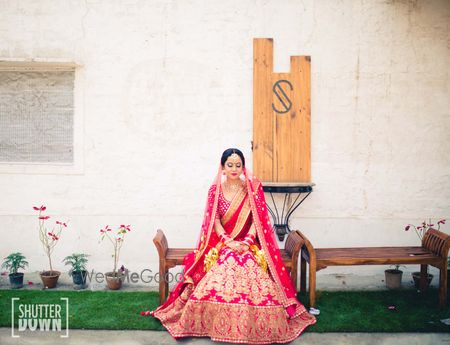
[16, 280]
[79, 277]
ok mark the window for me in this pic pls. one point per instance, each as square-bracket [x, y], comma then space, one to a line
[37, 113]
[36, 116]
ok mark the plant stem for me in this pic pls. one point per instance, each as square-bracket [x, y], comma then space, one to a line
[50, 260]
[115, 258]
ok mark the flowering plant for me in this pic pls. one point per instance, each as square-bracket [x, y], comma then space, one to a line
[49, 239]
[422, 229]
[117, 241]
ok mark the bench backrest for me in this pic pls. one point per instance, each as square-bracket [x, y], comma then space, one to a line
[294, 242]
[161, 244]
[436, 242]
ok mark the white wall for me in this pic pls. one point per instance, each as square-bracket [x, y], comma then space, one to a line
[165, 86]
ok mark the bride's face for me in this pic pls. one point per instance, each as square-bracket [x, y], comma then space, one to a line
[233, 167]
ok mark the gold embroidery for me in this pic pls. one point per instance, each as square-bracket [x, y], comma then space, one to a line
[242, 219]
[259, 256]
[232, 323]
[234, 205]
[212, 257]
[237, 282]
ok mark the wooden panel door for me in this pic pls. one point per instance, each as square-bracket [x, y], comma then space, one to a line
[281, 117]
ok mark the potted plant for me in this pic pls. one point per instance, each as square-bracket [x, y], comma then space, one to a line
[49, 239]
[114, 278]
[421, 230]
[12, 263]
[78, 270]
[393, 277]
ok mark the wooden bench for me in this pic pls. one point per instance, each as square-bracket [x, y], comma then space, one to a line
[171, 257]
[434, 251]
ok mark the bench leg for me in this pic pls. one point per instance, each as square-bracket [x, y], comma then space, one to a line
[302, 274]
[163, 284]
[423, 277]
[294, 277]
[443, 287]
[312, 284]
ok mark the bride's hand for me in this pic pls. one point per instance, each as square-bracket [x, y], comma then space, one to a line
[233, 245]
[242, 248]
[238, 247]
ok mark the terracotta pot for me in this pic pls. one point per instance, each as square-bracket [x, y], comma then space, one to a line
[113, 280]
[16, 280]
[393, 278]
[416, 278]
[49, 278]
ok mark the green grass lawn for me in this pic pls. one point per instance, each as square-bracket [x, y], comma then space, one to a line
[349, 311]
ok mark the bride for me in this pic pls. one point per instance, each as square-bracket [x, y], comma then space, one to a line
[235, 287]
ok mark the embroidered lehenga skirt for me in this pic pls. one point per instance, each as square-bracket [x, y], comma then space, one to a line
[236, 301]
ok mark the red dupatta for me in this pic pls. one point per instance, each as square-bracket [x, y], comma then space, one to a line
[255, 202]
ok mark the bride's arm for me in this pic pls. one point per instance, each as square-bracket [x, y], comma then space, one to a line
[251, 235]
[220, 231]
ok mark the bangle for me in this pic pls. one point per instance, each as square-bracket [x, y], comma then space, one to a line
[225, 238]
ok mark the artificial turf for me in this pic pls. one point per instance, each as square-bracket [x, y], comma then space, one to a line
[341, 311]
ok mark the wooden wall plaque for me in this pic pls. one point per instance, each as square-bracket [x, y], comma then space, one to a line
[281, 117]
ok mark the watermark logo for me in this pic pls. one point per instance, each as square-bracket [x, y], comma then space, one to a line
[39, 317]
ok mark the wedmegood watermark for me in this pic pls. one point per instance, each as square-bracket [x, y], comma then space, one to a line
[43, 317]
[145, 276]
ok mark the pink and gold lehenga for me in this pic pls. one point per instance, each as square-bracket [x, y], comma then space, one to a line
[231, 296]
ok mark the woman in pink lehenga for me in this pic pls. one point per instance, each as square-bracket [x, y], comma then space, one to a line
[236, 287]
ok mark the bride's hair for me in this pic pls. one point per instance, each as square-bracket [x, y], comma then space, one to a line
[228, 152]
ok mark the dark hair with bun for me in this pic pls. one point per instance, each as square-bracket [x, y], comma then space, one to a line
[228, 152]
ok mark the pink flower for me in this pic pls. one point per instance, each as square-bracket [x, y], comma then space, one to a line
[407, 227]
[44, 217]
[61, 223]
[53, 236]
[105, 229]
[41, 208]
[125, 227]
[4, 273]
[30, 283]
[442, 221]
